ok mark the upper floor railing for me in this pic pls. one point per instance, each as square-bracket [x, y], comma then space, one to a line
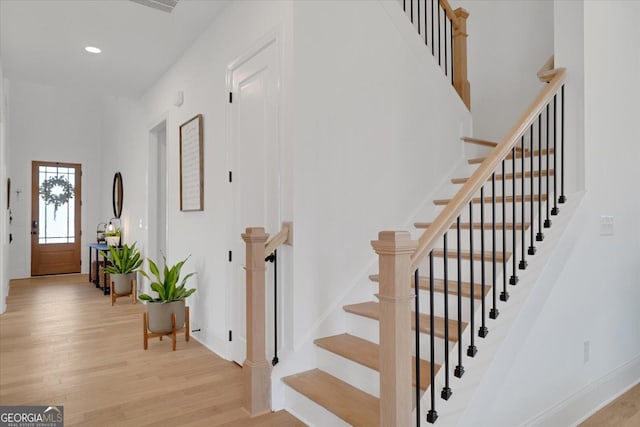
[444, 32]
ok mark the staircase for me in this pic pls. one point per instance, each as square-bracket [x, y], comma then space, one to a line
[438, 296]
[357, 407]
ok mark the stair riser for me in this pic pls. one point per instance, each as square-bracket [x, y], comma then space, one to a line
[368, 329]
[351, 372]
[508, 214]
[309, 412]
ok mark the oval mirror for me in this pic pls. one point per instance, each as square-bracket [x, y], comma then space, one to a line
[117, 195]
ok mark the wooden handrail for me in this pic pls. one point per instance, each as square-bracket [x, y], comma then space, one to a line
[285, 235]
[442, 223]
[451, 14]
[547, 71]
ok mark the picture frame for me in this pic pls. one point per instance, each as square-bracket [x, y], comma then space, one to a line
[192, 165]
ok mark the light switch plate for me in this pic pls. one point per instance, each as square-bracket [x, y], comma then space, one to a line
[606, 225]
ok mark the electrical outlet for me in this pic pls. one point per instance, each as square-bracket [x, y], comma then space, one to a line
[606, 225]
[586, 348]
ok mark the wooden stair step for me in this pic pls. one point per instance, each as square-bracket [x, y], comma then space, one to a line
[438, 286]
[452, 254]
[371, 310]
[477, 225]
[367, 354]
[527, 174]
[488, 199]
[484, 142]
[479, 160]
[347, 402]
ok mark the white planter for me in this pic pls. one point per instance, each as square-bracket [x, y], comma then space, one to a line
[159, 315]
[113, 240]
[122, 283]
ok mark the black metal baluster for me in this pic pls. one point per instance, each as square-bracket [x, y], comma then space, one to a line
[446, 68]
[274, 259]
[562, 198]
[416, 285]
[504, 295]
[514, 277]
[483, 331]
[404, 5]
[446, 390]
[555, 210]
[418, 17]
[523, 261]
[472, 349]
[433, 40]
[493, 313]
[432, 415]
[426, 36]
[412, 11]
[547, 221]
[459, 371]
[451, 40]
[439, 38]
[540, 235]
[532, 248]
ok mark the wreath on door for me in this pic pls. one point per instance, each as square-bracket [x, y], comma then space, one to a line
[56, 191]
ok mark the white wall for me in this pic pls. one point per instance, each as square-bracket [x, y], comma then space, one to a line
[206, 235]
[508, 42]
[594, 297]
[370, 142]
[52, 124]
[4, 175]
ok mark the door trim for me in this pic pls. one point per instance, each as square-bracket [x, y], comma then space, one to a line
[273, 37]
[35, 165]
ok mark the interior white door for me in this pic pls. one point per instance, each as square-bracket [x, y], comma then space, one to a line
[254, 139]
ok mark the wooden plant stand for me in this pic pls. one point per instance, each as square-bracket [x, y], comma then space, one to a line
[133, 294]
[172, 334]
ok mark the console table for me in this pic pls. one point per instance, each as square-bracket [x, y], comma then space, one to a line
[95, 279]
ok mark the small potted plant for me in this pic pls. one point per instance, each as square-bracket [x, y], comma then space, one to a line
[122, 267]
[171, 296]
[112, 237]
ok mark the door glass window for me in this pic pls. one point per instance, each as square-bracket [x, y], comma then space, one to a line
[57, 204]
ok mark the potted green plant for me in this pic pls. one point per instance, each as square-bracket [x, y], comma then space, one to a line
[112, 237]
[122, 267]
[171, 296]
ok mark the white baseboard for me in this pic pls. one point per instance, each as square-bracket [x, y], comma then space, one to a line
[587, 401]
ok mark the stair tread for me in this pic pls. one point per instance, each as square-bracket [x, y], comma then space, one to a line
[488, 199]
[347, 402]
[518, 155]
[371, 310]
[476, 225]
[484, 142]
[527, 174]
[367, 354]
[477, 256]
[439, 286]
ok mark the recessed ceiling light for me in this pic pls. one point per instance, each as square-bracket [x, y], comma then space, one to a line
[92, 49]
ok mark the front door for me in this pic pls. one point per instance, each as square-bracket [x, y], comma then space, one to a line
[254, 139]
[55, 218]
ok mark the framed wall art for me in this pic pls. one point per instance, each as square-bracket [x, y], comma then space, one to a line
[191, 165]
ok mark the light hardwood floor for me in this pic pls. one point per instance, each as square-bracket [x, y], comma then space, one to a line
[622, 412]
[62, 343]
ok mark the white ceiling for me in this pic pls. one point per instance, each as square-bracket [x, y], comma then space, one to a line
[43, 41]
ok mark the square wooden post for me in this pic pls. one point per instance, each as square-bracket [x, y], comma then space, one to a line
[394, 249]
[256, 369]
[460, 82]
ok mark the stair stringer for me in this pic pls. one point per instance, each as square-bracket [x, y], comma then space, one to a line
[496, 353]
